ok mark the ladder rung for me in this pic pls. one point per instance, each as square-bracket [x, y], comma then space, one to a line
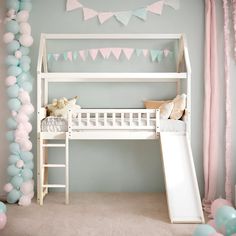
[54, 145]
[54, 185]
[54, 165]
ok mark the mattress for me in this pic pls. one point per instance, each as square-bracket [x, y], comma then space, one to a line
[59, 124]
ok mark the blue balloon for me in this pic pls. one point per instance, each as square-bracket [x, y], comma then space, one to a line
[230, 227]
[17, 181]
[3, 208]
[13, 196]
[25, 59]
[27, 86]
[25, 51]
[27, 174]
[11, 123]
[12, 26]
[10, 136]
[204, 230]
[11, 61]
[14, 148]
[22, 78]
[13, 159]
[25, 66]
[13, 46]
[12, 170]
[223, 215]
[14, 71]
[26, 156]
[29, 165]
[13, 91]
[14, 104]
[13, 4]
[26, 6]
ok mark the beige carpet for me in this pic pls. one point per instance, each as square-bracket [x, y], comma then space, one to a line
[95, 214]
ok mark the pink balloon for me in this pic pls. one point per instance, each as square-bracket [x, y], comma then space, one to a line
[11, 13]
[25, 28]
[216, 234]
[8, 37]
[10, 80]
[20, 164]
[24, 201]
[25, 145]
[8, 187]
[22, 16]
[21, 117]
[27, 187]
[24, 97]
[27, 126]
[27, 109]
[217, 204]
[20, 134]
[212, 223]
[3, 220]
[18, 54]
[26, 40]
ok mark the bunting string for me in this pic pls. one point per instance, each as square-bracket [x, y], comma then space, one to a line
[105, 53]
[122, 16]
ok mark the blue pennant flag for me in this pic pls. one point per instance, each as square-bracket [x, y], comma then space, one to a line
[154, 54]
[138, 51]
[173, 3]
[75, 56]
[159, 55]
[65, 56]
[140, 13]
[124, 17]
[49, 56]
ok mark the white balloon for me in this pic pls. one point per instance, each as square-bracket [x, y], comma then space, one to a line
[26, 40]
[25, 28]
[8, 37]
[22, 16]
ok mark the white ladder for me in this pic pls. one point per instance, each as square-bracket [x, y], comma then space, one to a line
[42, 172]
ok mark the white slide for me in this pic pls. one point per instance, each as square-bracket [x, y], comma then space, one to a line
[182, 191]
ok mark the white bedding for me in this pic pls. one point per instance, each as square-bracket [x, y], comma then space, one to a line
[59, 124]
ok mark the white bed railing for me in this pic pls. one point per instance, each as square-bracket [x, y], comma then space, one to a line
[114, 119]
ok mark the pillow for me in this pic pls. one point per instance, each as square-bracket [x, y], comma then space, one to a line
[165, 110]
[179, 107]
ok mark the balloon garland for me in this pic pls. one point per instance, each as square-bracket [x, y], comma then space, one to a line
[18, 39]
[3, 217]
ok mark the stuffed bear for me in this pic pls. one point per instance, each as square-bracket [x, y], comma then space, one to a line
[61, 106]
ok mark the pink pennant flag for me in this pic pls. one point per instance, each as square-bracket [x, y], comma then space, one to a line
[128, 52]
[82, 55]
[156, 7]
[89, 13]
[73, 4]
[56, 56]
[69, 56]
[93, 53]
[104, 16]
[116, 52]
[166, 52]
[105, 52]
[145, 52]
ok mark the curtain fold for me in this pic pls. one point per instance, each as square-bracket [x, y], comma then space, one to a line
[211, 109]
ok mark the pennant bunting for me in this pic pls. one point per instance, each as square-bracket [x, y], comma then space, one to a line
[173, 3]
[166, 52]
[128, 52]
[93, 53]
[82, 55]
[116, 52]
[123, 17]
[156, 7]
[159, 55]
[56, 56]
[138, 51]
[65, 56]
[72, 5]
[104, 16]
[89, 13]
[70, 56]
[140, 13]
[105, 52]
[154, 55]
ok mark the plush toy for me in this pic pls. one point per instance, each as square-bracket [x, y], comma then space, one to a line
[61, 106]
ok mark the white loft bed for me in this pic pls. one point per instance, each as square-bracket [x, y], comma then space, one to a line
[137, 124]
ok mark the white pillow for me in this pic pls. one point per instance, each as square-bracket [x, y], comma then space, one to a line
[179, 107]
[165, 110]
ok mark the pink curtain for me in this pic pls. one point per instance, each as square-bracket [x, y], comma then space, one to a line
[211, 109]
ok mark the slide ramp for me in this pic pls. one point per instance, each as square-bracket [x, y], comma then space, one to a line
[182, 191]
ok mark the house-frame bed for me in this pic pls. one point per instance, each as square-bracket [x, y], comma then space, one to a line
[183, 197]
